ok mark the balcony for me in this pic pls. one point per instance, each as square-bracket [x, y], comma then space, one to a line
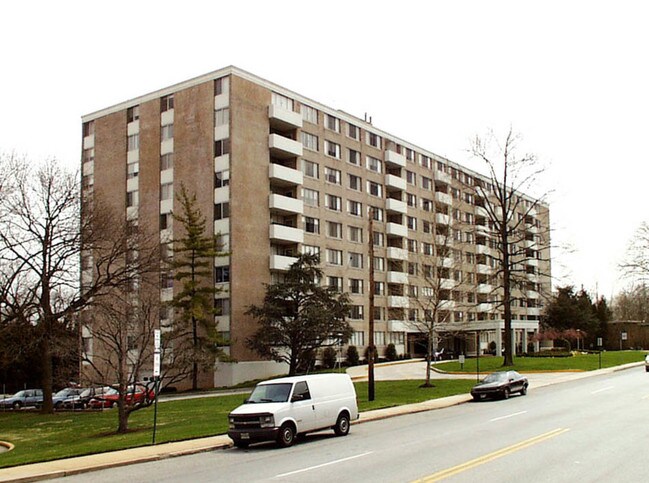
[443, 198]
[394, 253]
[444, 262]
[483, 250]
[485, 307]
[398, 302]
[395, 159]
[483, 269]
[532, 294]
[533, 311]
[283, 119]
[442, 219]
[396, 206]
[394, 229]
[283, 176]
[481, 211]
[286, 204]
[443, 177]
[282, 147]
[446, 284]
[281, 263]
[286, 234]
[401, 326]
[392, 181]
[484, 288]
[397, 277]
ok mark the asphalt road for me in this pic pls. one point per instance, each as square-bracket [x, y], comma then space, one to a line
[591, 430]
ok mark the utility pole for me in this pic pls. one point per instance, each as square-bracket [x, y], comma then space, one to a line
[372, 349]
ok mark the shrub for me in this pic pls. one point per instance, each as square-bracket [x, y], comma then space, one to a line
[391, 353]
[368, 353]
[329, 358]
[352, 356]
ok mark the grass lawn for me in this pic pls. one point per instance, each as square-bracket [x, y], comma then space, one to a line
[579, 362]
[40, 437]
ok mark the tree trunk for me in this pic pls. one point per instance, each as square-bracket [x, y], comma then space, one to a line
[48, 372]
[122, 415]
[509, 358]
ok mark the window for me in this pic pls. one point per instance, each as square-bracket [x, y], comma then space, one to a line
[222, 274]
[132, 170]
[166, 103]
[355, 286]
[355, 234]
[379, 288]
[88, 128]
[353, 131]
[310, 197]
[334, 230]
[427, 248]
[354, 157]
[377, 213]
[222, 179]
[426, 161]
[355, 182]
[427, 227]
[332, 123]
[134, 142]
[441, 167]
[335, 283]
[378, 239]
[374, 140]
[309, 141]
[355, 260]
[355, 208]
[412, 268]
[222, 116]
[88, 155]
[166, 161]
[309, 114]
[357, 339]
[412, 223]
[310, 169]
[334, 257]
[167, 191]
[166, 280]
[379, 264]
[221, 210]
[374, 164]
[221, 147]
[167, 132]
[411, 178]
[412, 246]
[468, 197]
[333, 202]
[132, 198]
[311, 250]
[411, 200]
[282, 101]
[426, 182]
[426, 204]
[375, 189]
[221, 86]
[356, 313]
[222, 306]
[455, 193]
[133, 114]
[332, 149]
[166, 221]
[311, 225]
[378, 313]
[332, 175]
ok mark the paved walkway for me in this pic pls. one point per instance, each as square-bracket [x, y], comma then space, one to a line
[408, 370]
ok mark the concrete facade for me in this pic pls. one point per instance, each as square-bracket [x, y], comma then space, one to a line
[281, 174]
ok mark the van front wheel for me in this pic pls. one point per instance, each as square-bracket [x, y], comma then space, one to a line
[286, 436]
[342, 425]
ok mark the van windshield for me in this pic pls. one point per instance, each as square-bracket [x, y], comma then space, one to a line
[264, 393]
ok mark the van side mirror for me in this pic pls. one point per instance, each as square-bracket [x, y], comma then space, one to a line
[297, 397]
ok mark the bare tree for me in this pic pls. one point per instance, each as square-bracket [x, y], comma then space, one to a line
[635, 265]
[509, 211]
[42, 239]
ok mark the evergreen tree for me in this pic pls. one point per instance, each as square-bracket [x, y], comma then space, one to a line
[298, 316]
[192, 265]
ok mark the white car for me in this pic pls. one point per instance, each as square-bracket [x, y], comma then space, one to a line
[646, 363]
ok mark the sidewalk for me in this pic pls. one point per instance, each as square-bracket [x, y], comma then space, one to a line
[82, 464]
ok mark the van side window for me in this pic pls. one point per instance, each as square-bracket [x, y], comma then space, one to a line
[301, 389]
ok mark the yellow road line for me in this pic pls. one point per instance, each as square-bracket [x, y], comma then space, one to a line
[440, 475]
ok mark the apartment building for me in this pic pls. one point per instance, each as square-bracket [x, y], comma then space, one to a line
[281, 174]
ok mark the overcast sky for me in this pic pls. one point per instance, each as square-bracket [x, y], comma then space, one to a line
[571, 77]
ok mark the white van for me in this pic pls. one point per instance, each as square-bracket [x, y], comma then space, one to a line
[280, 409]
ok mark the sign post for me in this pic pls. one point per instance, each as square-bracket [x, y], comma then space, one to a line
[156, 377]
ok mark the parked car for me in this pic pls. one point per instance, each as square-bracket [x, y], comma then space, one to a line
[61, 396]
[23, 399]
[134, 394]
[500, 384]
[281, 409]
[646, 363]
[81, 401]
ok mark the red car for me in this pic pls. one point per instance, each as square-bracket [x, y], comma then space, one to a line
[135, 394]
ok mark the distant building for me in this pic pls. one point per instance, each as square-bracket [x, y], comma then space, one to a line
[627, 334]
[282, 174]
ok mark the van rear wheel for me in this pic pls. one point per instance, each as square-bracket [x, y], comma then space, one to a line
[286, 436]
[342, 425]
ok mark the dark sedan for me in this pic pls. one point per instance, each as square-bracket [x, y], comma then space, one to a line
[500, 384]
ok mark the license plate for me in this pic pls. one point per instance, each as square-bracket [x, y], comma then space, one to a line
[245, 436]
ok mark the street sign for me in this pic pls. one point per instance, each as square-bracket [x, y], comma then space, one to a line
[624, 336]
[599, 342]
[156, 339]
[156, 364]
